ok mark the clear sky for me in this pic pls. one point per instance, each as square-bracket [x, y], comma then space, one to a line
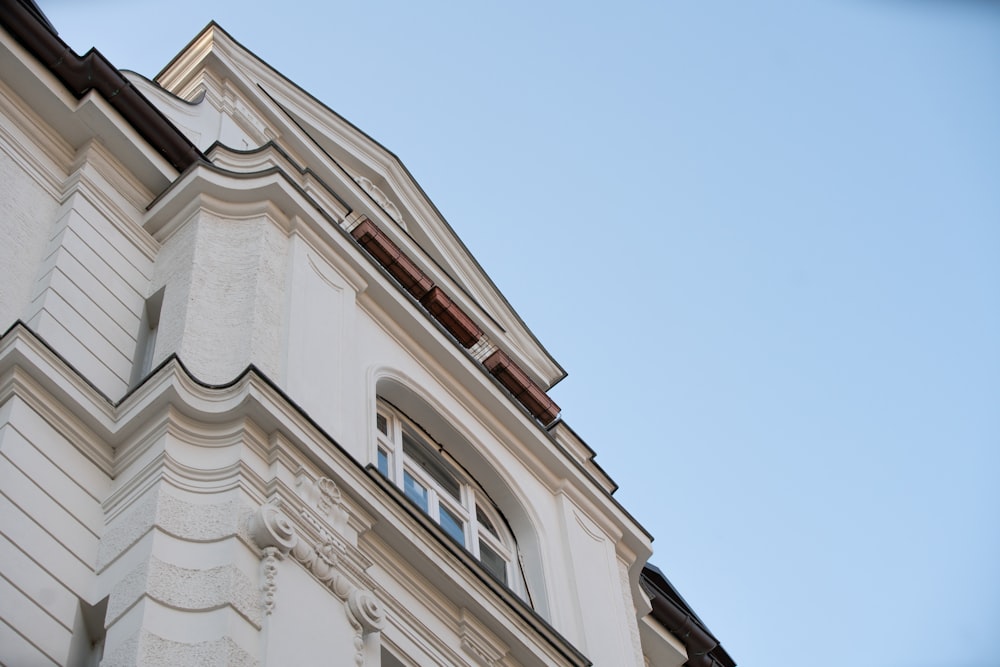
[764, 240]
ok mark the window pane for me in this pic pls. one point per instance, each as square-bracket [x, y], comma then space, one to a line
[452, 525]
[383, 462]
[493, 562]
[382, 423]
[415, 491]
[485, 522]
[429, 460]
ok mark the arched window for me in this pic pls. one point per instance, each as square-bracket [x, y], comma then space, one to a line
[428, 476]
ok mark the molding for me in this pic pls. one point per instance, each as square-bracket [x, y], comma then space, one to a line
[381, 199]
[33, 145]
[268, 576]
[236, 108]
[344, 152]
[93, 72]
[272, 156]
[477, 641]
[592, 531]
[274, 533]
[94, 155]
[432, 581]
[21, 383]
[293, 438]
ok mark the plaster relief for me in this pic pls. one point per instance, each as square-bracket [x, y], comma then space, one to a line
[155, 651]
[126, 530]
[324, 496]
[276, 536]
[375, 193]
[184, 520]
[186, 589]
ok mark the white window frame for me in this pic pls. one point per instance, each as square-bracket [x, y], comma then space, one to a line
[394, 463]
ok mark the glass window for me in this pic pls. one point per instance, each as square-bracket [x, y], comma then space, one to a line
[493, 562]
[415, 491]
[452, 525]
[383, 462]
[485, 522]
[412, 460]
[431, 462]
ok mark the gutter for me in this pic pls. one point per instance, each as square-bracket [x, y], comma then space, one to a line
[670, 609]
[92, 71]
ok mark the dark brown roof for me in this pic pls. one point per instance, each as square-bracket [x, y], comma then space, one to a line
[92, 71]
[676, 615]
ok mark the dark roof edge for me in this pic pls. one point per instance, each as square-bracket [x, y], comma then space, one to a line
[676, 615]
[33, 7]
[92, 71]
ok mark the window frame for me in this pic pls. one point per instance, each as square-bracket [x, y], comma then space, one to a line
[394, 459]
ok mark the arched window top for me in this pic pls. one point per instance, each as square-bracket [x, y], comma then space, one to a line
[429, 476]
[469, 451]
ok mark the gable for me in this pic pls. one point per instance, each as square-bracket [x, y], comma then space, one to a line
[223, 95]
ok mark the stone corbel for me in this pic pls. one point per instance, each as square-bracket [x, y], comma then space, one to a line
[275, 534]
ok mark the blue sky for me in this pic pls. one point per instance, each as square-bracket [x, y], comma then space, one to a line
[768, 235]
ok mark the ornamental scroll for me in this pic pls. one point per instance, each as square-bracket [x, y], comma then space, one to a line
[275, 534]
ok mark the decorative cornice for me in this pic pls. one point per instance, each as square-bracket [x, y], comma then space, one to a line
[42, 153]
[249, 396]
[81, 74]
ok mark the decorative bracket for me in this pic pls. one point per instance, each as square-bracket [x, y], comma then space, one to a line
[275, 534]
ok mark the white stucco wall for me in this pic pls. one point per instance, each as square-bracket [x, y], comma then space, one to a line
[147, 503]
[51, 522]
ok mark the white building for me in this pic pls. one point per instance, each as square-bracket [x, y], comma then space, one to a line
[260, 406]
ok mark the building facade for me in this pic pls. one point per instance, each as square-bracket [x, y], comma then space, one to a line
[260, 406]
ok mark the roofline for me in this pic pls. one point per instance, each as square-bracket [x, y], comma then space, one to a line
[92, 71]
[677, 616]
[561, 372]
